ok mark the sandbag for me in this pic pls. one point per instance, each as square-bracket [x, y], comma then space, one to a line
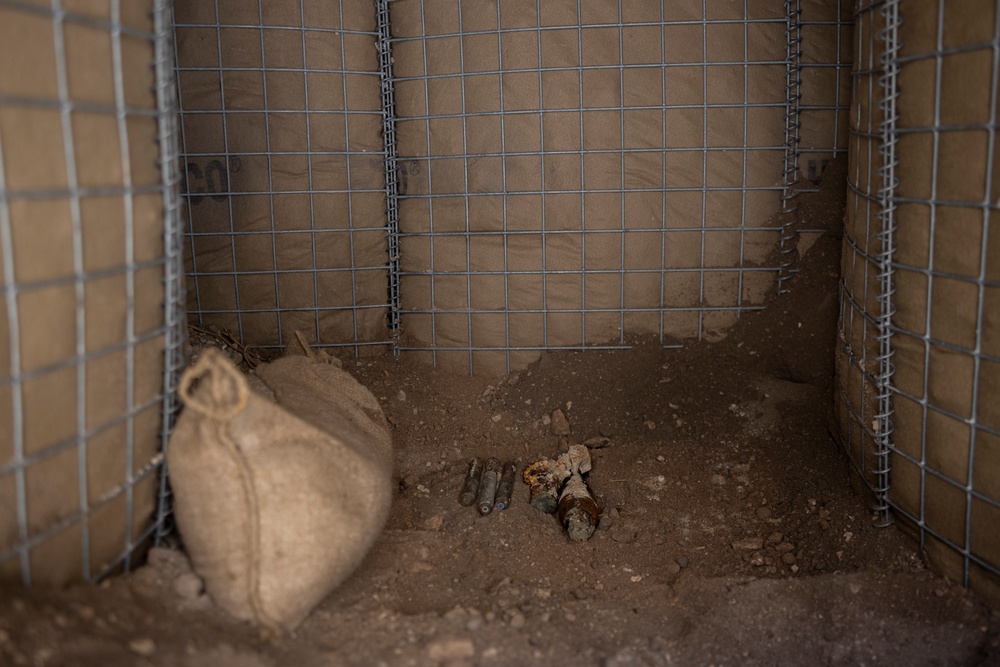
[278, 493]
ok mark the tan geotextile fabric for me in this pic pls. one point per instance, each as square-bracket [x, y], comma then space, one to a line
[947, 283]
[278, 497]
[76, 294]
[826, 54]
[615, 137]
[289, 188]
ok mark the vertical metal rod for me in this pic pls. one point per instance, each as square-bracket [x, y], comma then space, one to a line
[173, 237]
[129, 218]
[790, 180]
[10, 296]
[388, 107]
[80, 319]
[887, 222]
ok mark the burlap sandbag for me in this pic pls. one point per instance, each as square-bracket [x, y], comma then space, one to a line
[279, 497]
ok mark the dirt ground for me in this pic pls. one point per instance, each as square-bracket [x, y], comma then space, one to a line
[729, 531]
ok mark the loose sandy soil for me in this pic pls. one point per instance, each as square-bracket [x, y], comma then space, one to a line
[729, 534]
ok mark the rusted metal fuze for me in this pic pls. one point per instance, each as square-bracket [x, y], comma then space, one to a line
[471, 487]
[488, 486]
[506, 486]
[544, 477]
[577, 510]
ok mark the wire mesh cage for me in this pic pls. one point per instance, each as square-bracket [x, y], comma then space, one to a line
[945, 474]
[918, 363]
[474, 183]
[578, 173]
[90, 318]
[284, 170]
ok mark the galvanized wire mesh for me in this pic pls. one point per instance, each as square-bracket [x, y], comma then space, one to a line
[578, 172]
[88, 239]
[284, 170]
[919, 368]
[945, 291]
[862, 373]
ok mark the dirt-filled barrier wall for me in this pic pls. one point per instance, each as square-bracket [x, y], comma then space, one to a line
[920, 368]
[568, 173]
[89, 258]
[283, 169]
[579, 172]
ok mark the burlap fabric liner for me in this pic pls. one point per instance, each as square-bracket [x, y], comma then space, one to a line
[278, 191]
[122, 290]
[551, 100]
[278, 500]
[954, 251]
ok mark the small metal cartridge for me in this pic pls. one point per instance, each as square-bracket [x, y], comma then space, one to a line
[506, 486]
[471, 487]
[488, 486]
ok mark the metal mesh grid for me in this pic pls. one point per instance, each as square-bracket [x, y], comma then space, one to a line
[946, 293]
[534, 214]
[862, 375]
[84, 274]
[826, 30]
[919, 369]
[284, 170]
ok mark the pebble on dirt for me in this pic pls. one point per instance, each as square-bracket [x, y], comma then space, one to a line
[748, 544]
[559, 425]
[143, 646]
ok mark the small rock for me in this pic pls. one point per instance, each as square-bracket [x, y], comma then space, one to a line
[580, 594]
[455, 614]
[496, 418]
[237, 358]
[682, 561]
[188, 586]
[775, 538]
[559, 425]
[517, 620]
[401, 396]
[748, 544]
[168, 558]
[718, 480]
[622, 535]
[448, 650]
[474, 624]
[763, 512]
[143, 646]
[673, 568]
[434, 523]
[650, 424]
[855, 588]
[546, 420]
[784, 547]
[788, 558]
[86, 613]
